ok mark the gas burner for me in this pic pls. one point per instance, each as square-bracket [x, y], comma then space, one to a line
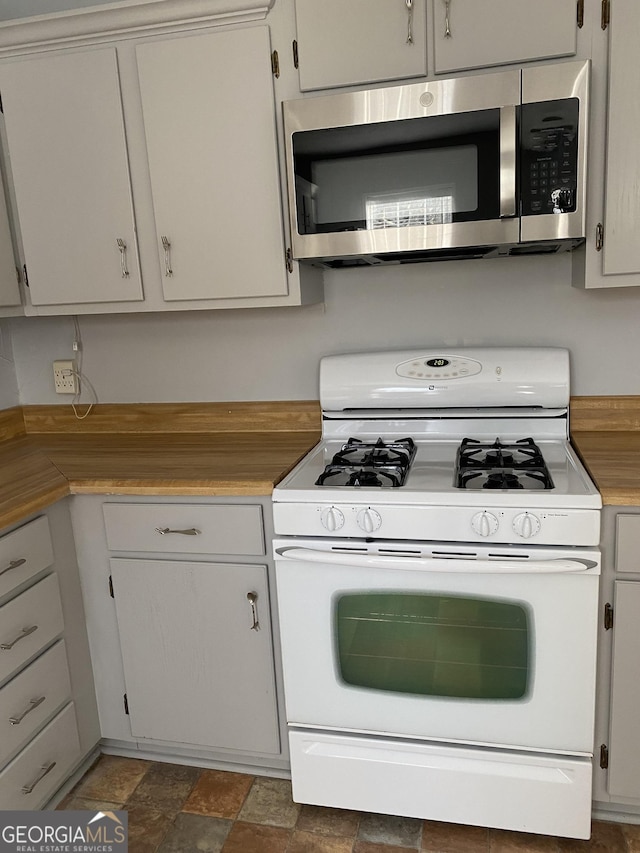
[357, 452]
[516, 465]
[379, 464]
[523, 453]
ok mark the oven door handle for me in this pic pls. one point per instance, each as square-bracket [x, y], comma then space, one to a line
[444, 565]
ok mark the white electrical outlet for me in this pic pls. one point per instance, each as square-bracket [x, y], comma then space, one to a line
[64, 377]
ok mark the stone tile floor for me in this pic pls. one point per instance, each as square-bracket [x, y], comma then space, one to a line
[178, 809]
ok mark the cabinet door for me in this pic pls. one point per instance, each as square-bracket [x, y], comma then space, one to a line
[9, 289]
[481, 33]
[348, 42]
[209, 119]
[197, 671]
[69, 163]
[622, 201]
[624, 744]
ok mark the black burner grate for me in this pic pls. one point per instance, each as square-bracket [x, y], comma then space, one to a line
[379, 464]
[498, 465]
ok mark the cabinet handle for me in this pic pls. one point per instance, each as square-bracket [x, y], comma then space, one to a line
[447, 19]
[122, 247]
[13, 565]
[409, 5]
[27, 789]
[191, 531]
[24, 633]
[166, 245]
[33, 704]
[252, 598]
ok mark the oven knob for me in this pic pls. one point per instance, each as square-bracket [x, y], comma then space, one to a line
[332, 519]
[484, 523]
[369, 520]
[526, 525]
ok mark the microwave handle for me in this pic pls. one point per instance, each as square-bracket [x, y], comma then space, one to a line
[508, 131]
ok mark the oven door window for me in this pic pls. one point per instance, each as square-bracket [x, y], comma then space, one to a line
[410, 172]
[434, 645]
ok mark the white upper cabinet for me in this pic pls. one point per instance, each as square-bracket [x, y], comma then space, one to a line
[9, 289]
[481, 33]
[209, 119]
[621, 249]
[69, 165]
[350, 42]
[146, 169]
[611, 256]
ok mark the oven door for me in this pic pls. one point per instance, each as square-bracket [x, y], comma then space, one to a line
[488, 651]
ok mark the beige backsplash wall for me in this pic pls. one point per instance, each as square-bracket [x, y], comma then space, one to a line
[273, 354]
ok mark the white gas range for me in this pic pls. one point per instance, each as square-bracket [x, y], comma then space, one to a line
[495, 488]
[437, 579]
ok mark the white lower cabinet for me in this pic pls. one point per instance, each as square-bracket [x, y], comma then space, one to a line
[48, 715]
[182, 630]
[196, 649]
[617, 778]
[31, 778]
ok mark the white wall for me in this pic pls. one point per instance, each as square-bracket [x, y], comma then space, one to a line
[8, 382]
[270, 354]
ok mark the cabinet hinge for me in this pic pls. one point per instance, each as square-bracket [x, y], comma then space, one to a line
[126, 704]
[294, 46]
[275, 64]
[599, 237]
[288, 256]
[605, 14]
[608, 617]
[604, 756]
[111, 587]
[580, 13]
[18, 276]
[24, 274]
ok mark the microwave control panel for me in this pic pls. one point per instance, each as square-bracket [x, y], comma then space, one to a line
[549, 157]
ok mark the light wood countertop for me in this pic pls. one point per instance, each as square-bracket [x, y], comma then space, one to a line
[605, 431]
[232, 449]
[155, 449]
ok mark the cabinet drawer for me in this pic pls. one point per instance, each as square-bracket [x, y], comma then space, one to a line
[28, 623]
[23, 553]
[628, 543]
[31, 698]
[185, 528]
[39, 770]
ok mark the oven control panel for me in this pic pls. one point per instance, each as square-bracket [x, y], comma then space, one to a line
[504, 525]
[439, 367]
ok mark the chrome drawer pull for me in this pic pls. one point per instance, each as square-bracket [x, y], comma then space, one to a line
[409, 5]
[27, 789]
[13, 565]
[33, 704]
[24, 633]
[166, 247]
[252, 598]
[122, 248]
[447, 21]
[191, 531]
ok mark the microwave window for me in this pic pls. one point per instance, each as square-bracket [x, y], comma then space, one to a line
[434, 645]
[413, 172]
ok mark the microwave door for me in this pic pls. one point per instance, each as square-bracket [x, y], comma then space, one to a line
[404, 173]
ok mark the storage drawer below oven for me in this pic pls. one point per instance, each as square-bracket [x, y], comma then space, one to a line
[529, 792]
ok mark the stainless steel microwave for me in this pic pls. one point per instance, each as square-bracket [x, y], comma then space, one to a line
[476, 166]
